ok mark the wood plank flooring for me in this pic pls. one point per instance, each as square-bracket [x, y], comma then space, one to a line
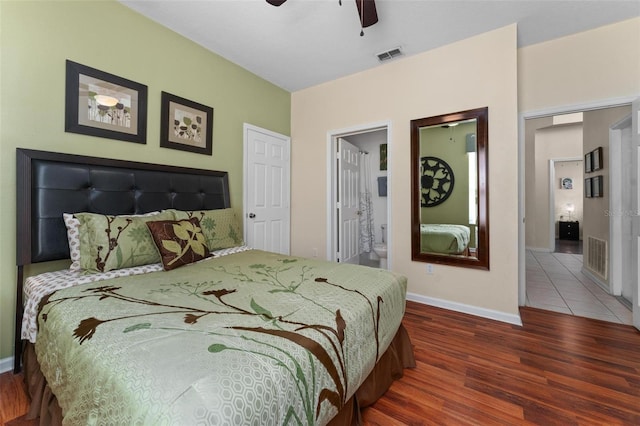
[555, 370]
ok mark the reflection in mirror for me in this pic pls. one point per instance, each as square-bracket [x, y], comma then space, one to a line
[449, 186]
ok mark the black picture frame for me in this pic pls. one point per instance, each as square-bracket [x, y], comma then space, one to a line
[116, 108]
[596, 159]
[597, 186]
[186, 125]
[587, 188]
[588, 164]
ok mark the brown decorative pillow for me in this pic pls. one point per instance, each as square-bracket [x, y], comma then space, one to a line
[179, 242]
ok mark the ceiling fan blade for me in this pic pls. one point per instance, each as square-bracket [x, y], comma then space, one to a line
[367, 12]
[275, 2]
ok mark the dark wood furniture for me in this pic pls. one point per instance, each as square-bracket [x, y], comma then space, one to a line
[569, 230]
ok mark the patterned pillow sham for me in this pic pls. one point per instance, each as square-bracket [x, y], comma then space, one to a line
[115, 242]
[220, 227]
[180, 242]
[73, 236]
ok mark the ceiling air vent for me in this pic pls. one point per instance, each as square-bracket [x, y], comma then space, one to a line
[389, 54]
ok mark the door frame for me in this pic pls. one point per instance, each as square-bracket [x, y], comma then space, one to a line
[332, 219]
[615, 205]
[522, 117]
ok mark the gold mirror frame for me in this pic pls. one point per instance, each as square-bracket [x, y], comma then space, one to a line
[480, 258]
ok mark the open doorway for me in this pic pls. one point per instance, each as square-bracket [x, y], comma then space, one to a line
[566, 192]
[359, 210]
[570, 283]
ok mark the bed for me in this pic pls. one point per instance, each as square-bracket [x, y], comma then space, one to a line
[227, 335]
[444, 238]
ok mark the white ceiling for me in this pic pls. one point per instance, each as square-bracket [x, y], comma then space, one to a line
[307, 42]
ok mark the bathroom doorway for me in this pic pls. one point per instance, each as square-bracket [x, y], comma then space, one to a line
[361, 234]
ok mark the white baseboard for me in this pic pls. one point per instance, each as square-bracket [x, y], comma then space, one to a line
[467, 309]
[596, 279]
[6, 364]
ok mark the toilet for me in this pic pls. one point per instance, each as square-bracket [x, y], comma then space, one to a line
[380, 249]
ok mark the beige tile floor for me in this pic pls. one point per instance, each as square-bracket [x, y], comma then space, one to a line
[555, 282]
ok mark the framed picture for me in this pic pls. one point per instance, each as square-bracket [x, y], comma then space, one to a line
[596, 159]
[596, 186]
[566, 183]
[185, 125]
[104, 105]
[588, 165]
[587, 188]
[383, 156]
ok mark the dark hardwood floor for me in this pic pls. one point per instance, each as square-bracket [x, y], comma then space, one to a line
[554, 370]
[568, 246]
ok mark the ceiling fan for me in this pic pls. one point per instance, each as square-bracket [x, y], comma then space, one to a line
[366, 11]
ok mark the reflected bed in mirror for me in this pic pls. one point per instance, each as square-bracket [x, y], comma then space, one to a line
[449, 217]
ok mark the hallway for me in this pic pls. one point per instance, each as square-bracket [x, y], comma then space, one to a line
[555, 282]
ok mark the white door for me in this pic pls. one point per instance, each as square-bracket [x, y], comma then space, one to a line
[348, 205]
[267, 184]
[635, 227]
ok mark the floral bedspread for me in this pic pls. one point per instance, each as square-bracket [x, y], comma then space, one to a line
[251, 338]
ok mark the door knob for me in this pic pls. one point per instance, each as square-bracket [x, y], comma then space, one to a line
[252, 215]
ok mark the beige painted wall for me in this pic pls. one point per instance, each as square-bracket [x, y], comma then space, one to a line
[37, 37]
[432, 83]
[595, 65]
[530, 129]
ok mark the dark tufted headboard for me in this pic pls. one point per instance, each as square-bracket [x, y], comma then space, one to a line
[50, 184]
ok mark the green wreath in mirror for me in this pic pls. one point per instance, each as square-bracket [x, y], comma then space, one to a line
[436, 181]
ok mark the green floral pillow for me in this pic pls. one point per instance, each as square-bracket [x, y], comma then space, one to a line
[116, 242]
[220, 227]
[180, 242]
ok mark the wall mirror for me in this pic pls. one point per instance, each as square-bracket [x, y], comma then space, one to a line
[449, 203]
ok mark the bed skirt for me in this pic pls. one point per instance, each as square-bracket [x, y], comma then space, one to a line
[389, 368]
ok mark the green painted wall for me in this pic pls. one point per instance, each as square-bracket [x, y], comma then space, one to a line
[35, 40]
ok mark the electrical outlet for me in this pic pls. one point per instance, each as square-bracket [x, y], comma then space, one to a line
[315, 252]
[429, 268]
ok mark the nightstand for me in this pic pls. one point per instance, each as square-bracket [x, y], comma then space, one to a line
[569, 230]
